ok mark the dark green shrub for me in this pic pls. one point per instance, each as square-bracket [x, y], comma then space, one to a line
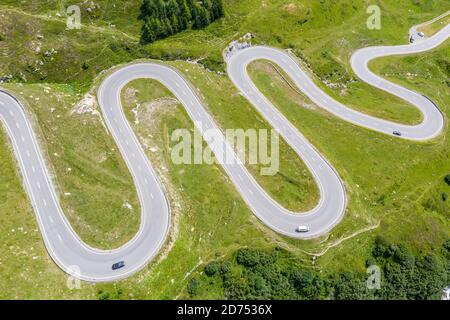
[225, 267]
[103, 295]
[370, 262]
[165, 18]
[380, 247]
[350, 286]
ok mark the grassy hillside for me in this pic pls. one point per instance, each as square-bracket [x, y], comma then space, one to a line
[394, 186]
[432, 28]
[95, 187]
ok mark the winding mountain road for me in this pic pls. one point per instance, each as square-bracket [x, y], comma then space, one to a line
[90, 264]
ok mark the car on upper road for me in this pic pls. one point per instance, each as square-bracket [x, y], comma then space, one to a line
[302, 229]
[397, 133]
[118, 265]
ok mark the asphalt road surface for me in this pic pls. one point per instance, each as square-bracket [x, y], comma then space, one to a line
[90, 264]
